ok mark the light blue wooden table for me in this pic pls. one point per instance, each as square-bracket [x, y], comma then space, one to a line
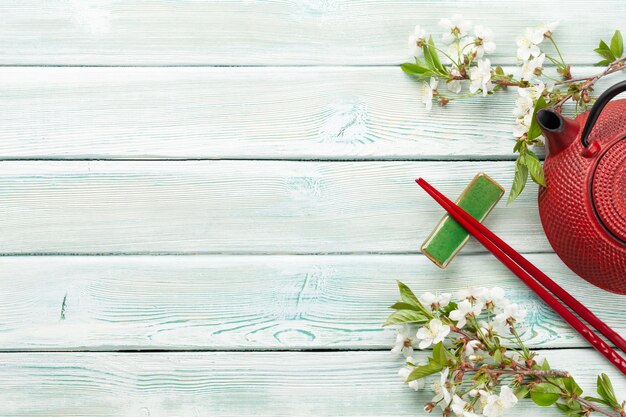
[204, 205]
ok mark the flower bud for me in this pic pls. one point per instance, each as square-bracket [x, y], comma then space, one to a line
[446, 412]
[443, 101]
[429, 407]
[586, 97]
[459, 377]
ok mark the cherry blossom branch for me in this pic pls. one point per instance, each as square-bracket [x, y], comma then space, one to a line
[524, 371]
[615, 66]
[594, 407]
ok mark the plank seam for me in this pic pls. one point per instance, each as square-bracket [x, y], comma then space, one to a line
[248, 351]
[234, 253]
[434, 158]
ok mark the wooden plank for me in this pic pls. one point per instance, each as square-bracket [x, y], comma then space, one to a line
[226, 384]
[251, 113]
[251, 302]
[299, 32]
[117, 207]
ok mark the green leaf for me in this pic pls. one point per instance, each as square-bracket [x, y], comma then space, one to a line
[423, 371]
[617, 44]
[450, 307]
[519, 180]
[404, 306]
[597, 400]
[522, 392]
[535, 168]
[603, 63]
[534, 130]
[435, 55]
[413, 69]
[605, 51]
[407, 295]
[545, 365]
[440, 355]
[432, 57]
[571, 386]
[497, 356]
[605, 390]
[563, 407]
[544, 394]
[405, 316]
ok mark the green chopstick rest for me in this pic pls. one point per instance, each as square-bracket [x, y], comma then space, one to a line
[448, 237]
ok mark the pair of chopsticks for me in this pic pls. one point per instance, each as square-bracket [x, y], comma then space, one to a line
[537, 280]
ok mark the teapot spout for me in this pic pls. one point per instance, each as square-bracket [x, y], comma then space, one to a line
[559, 131]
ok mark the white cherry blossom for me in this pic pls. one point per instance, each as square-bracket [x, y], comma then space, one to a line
[453, 85]
[480, 77]
[522, 124]
[428, 91]
[454, 28]
[471, 347]
[534, 91]
[431, 334]
[403, 344]
[497, 404]
[417, 39]
[471, 294]
[523, 106]
[527, 44]
[433, 302]
[441, 390]
[454, 50]
[532, 67]
[461, 408]
[492, 328]
[510, 314]
[483, 41]
[404, 373]
[465, 310]
[492, 297]
[546, 29]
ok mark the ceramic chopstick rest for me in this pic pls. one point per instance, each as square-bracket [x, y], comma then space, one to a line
[448, 237]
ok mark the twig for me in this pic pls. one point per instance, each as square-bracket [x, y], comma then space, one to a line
[614, 66]
[526, 372]
[594, 407]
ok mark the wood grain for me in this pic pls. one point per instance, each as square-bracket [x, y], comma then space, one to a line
[226, 384]
[245, 113]
[274, 32]
[114, 207]
[251, 302]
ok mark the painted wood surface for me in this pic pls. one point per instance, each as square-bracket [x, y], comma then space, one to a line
[251, 302]
[289, 246]
[226, 384]
[249, 113]
[112, 207]
[294, 32]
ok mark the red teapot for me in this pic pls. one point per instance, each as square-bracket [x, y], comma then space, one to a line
[583, 207]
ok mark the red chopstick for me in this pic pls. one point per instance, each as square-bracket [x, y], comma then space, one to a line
[546, 281]
[514, 261]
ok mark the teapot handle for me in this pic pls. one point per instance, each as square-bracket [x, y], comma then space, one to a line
[597, 109]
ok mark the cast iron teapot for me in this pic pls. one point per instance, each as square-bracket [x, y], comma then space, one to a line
[583, 207]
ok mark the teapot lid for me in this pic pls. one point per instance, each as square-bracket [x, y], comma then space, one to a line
[609, 189]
